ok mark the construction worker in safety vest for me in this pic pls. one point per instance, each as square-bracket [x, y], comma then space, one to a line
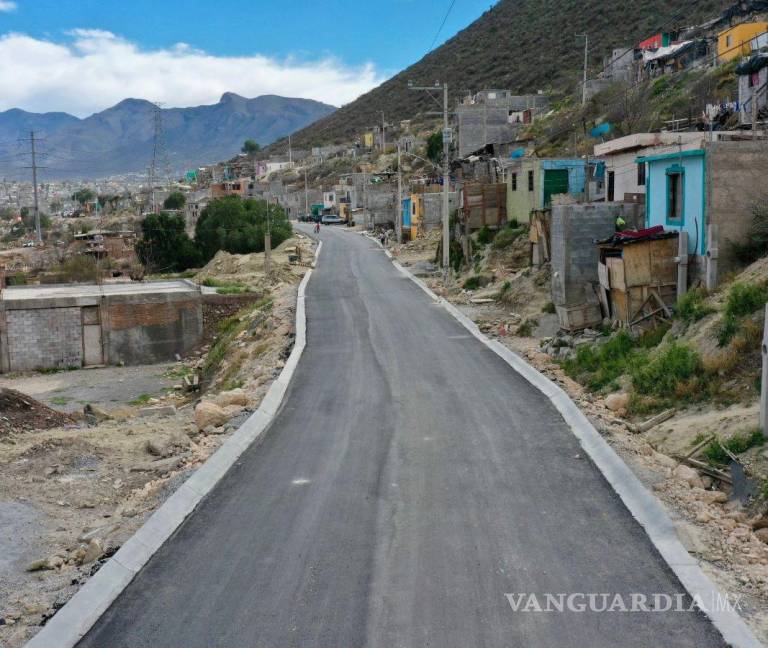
[620, 223]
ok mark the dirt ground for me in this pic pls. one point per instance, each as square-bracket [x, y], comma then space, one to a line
[723, 534]
[71, 496]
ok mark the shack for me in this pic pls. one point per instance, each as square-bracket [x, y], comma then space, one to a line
[638, 276]
[485, 205]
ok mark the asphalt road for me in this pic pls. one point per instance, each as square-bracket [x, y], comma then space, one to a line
[411, 479]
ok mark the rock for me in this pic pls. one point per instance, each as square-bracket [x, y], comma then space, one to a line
[98, 532]
[762, 535]
[208, 413]
[704, 517]
[688, 475]
[664, 460]
[232, 397]
[168, 445]
[51, 562]
[92, 551]
[95, 414]
[715, 497]
[163, 410]
[761, 523]
[618, 401]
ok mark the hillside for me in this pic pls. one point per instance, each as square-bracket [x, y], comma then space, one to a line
[119, 139]
[523, 45]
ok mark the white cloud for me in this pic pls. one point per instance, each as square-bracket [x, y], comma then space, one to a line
[95, 69]
[7, 5]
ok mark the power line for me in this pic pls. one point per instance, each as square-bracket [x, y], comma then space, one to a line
[442, 24]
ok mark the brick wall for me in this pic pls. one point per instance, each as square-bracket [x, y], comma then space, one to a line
[44, 338]
[125, 316]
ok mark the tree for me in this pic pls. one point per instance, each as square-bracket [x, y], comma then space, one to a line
[435, 147]
[238, 226]
[175, 200]
[83, 196]
[251, 147]
[165, 246]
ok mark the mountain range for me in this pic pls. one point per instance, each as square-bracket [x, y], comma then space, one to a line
[520, 45]
[120, 139]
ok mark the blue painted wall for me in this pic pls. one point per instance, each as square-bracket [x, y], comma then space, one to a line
[576, 175]
[406, 212]
[694, 196]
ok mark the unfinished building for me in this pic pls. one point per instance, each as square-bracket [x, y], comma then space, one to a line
[68, 326]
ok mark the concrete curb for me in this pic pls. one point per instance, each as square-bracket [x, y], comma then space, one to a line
[640, 502]
[77, 617]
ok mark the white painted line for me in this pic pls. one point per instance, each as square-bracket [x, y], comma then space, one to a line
[640, 502]
[77, 617]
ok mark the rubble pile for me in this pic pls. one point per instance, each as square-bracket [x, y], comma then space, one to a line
[20, 413]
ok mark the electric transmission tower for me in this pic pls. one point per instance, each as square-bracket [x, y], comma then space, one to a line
[160, 167]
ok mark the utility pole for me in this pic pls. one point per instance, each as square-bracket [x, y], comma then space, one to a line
[446, 184]
[383, 133]
[586, 64]
[290, 153]
[399, 208]
[306, 195]
[447, 139]
[268, 245]
[38, 229]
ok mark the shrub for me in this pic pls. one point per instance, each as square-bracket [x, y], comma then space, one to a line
[476, 281]
[484, 235]
[599, 366]
[716, 453]
[663, 374]
[691, 307]
[527, 328]
[743, 299]
[549, 308]
[506, 237]
[755, 245]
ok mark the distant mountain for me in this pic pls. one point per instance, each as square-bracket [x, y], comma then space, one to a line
[120, 139]
[520, 45]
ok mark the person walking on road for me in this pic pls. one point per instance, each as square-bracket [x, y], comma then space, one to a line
[317, 227]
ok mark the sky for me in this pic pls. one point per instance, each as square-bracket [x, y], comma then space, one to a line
[81, 56]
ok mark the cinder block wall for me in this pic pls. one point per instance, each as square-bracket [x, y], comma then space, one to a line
[44, 338]
[152, 328]
[736, 177]
[575, 228]
[433, 208]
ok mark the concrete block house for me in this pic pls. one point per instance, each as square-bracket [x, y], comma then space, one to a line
[62, 326]
[532, 182]
[708, 192]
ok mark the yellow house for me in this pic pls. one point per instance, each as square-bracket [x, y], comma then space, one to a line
[368, 140]
[734, 43]
[417, 213]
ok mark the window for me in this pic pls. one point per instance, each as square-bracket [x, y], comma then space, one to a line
[530, 181]
[728, 40]
[641, 174]
[514, 182]
[675, 184]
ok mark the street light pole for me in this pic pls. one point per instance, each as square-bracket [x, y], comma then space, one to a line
[399, 214]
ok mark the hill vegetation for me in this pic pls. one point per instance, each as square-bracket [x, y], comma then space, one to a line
[522, 45]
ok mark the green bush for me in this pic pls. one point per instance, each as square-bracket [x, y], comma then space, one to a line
[484, 235]
[549, 308]
[507, 237]
[691, 307]
[663, 374]
[599, 366]
[476, 281]
[716, 453]
[743, 300]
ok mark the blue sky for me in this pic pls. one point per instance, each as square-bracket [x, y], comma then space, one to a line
[347, 45]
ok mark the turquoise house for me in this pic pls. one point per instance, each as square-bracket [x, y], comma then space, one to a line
[676, 194]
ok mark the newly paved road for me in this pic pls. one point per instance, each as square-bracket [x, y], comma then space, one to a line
[410, 481]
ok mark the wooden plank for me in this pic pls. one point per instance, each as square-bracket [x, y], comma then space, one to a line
[620, 306]
[616, 273]
[602, 275]
[663, 264]
[637, 264]
[656, 420]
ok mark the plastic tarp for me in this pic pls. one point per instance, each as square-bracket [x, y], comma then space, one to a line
[753, 64]
[635, 236]
[667, 52]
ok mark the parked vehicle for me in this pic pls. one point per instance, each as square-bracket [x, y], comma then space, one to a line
[332, 219]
